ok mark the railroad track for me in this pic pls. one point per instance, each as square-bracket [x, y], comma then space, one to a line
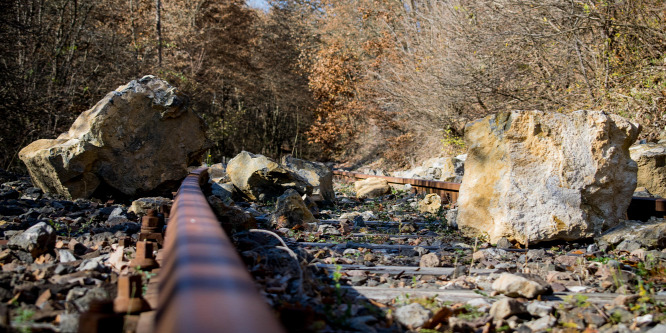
[639, 209]
[204, 286]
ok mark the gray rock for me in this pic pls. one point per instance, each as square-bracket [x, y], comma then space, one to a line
[69, 322]
[481, 304]
[94, 264]
[117, 216]
[539, 309]
[66, 256]
[142, 205]
[628, 245]
[290, 210]
[224, 191]
[507, 307]
[363, 323]
[262, 179]
[217, 173]
[452, 217]
[82, 297]
[413, 315]
[536, 254]
[503, 243]
[661, 328]
[649, 234]
[318, 175]
[351, 252]
[541, 324]
[327, 229]
[38, 239]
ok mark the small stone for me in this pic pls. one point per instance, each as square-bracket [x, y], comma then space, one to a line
[536, 254]
[451, 218]
[430, 204]
[66, 256]
[141, 206]
[82, 297]
[69, 322]
[413, 315]
[639, 253]
[541, 324]
[429, 260]
[622, 314]
[460, 271]
[625, 300]
[644, 320]
[506, 307]
[661, 328]
[351, 252]
[539, 309]
[628, 245]
[420, 250]
[38, 239]
[327, 229]
[504, 243]
[481, 304]
[518, 286]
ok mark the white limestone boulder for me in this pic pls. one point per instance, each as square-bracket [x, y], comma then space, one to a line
[538, 176]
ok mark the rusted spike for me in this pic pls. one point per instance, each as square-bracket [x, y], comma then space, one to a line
[151, 227]
[100, 318]
[144, 256]
[125, 241]
[150, 222]
[165, 209]
[130, 299]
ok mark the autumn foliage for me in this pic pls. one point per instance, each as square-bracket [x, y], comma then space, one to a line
[348, 80]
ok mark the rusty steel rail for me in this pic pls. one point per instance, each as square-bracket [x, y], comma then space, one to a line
[204, 285]
[639, 208]
[447, 190]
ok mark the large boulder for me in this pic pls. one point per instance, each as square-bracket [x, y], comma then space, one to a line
[539, 176]
[316, 174]
[651, 160]
[263, 179]
[138, 139]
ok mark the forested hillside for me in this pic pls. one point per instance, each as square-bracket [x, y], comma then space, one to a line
[345, 80]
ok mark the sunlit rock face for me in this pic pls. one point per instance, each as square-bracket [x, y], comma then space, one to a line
[138, 139]
[534, 176]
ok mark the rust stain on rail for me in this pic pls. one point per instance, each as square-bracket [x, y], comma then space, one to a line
[204, 285]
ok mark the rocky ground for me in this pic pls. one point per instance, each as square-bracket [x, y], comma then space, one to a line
[377, 265]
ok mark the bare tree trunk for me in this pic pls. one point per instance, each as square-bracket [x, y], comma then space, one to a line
[158, 26]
